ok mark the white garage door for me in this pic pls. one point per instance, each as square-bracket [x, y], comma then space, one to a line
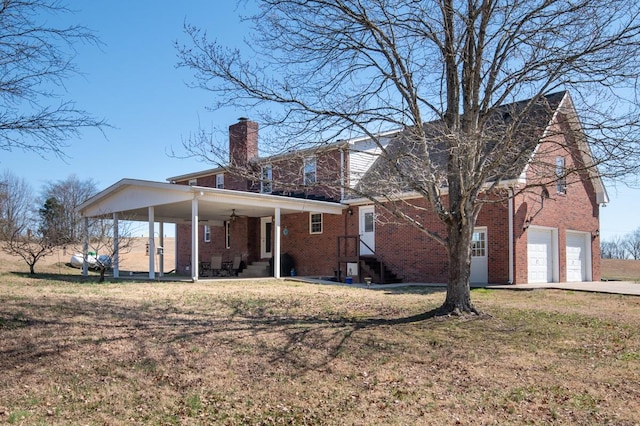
[576, 257]
[540, 255]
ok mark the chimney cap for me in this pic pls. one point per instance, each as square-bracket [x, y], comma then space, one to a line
[243, 119]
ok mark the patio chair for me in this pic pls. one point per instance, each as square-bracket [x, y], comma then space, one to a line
[216, 265]
[235, 267]
[205, 268]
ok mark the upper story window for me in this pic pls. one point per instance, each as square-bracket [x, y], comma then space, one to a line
[193, 182]
[561, 182]
[207, 234]
[315, 223]
[267, 179]
[220, 181]
[310, 170]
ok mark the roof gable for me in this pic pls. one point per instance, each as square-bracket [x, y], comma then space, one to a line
[510, 137]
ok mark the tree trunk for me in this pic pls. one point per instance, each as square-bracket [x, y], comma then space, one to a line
[458, 300]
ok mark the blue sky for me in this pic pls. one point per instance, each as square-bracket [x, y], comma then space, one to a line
[132, 82]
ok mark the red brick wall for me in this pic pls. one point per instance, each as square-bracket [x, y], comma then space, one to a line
[314, 254]
[245, 241]
[416, 257]
[576, 210]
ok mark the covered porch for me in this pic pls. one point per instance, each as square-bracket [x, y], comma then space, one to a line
[161, 203]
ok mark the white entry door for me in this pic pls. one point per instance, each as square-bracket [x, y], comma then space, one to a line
[266, 237]
[479, 264]
[576, 256]
[367, 230]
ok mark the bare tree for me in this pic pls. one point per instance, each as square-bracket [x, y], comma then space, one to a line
[613, 249]
[21, 233]
[631, 244]
[69, 194]
[102, 241]
[35, 58]
[321, 70]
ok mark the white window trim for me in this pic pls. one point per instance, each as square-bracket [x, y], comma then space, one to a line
[311, 231]
[193, 182]
[207, 233]
[220, 181]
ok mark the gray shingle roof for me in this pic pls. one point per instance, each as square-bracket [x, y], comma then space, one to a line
[500, 151]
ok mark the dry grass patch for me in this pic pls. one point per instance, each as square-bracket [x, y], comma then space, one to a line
[621, 269]
[289, 353]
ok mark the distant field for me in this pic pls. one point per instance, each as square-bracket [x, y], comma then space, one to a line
[135, 260]
[621, 270]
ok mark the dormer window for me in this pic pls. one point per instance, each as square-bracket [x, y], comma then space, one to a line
[267, 179]
[310, 171]
[561, 182]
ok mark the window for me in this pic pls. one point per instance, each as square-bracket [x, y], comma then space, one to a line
[479, 244]
[310, 171]
[227, 234]
[315, 223]
[561, 183]
[369, 220]
[193, 182]
[220, 181]
[207, 234]
[267, 178]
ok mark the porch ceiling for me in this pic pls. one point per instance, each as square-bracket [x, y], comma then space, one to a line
[172, 203]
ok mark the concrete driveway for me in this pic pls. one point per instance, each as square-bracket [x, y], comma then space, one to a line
[615, 287]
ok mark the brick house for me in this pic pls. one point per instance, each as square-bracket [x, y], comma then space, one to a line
[302, 211]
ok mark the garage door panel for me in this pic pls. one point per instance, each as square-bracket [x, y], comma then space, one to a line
[539, 256]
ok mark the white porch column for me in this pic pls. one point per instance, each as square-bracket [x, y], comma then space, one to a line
[161, 245]
[195, 273]
[152, 248]
[116, 247]
[276, 243]
[85, 247]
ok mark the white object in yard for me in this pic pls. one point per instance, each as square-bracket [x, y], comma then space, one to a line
[93, 262]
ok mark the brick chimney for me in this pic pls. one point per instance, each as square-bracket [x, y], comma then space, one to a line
[243, 142]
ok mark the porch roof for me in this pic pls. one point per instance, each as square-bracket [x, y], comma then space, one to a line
[172, 203]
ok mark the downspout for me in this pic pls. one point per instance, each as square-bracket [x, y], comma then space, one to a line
[342, 174]
[511, 212]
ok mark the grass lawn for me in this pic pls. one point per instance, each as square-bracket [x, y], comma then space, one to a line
[268, 352]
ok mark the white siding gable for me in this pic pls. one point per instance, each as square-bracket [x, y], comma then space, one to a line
[362, 155]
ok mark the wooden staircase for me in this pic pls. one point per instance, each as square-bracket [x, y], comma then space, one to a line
[370, 266]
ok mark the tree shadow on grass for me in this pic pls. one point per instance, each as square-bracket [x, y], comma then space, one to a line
[38, 332]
